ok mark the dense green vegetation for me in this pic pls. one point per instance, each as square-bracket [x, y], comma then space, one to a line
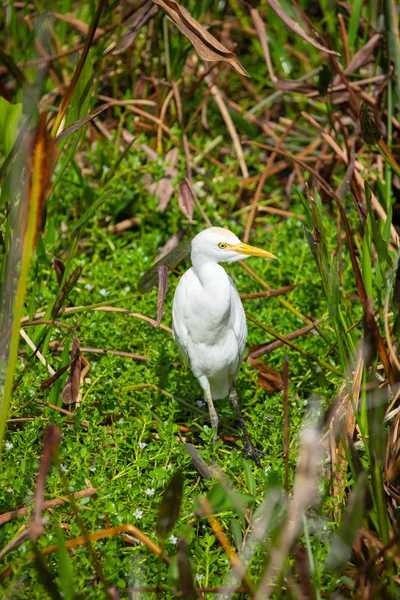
[281, 158]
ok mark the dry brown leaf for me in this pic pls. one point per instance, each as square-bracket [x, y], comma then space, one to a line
[164, 188]
[303, 570]
[361, 57]
[77, 23]
[261, 349]
[185, 199]
[346, 418]
[70, 393]
[205, 44]
[65, 291]
[123, 225]
[295, 27]
[22, 536]
[171, 160]
[268, 378]
[219, 99]
[25, 510]
[185, 575]
[260, 29]
[59, 268]
[51, 441]
[150, 153]
[78, 124]
[140, 19]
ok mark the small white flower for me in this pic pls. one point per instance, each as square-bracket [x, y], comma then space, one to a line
[267, 470]
[173, 539]
[138, 513]
[169, 465]
[63, 468]
[142, 445]
[103, 292]
[93, 469]
[106, 169]
[200, 403]
[9, 446]
[88, 287]
[199, 577]
[150, 491]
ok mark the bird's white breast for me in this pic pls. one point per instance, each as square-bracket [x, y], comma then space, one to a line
[209, 323]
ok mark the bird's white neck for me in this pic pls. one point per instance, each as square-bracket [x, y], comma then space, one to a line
[209, 272]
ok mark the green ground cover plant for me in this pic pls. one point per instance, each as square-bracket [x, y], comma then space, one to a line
[125, 129]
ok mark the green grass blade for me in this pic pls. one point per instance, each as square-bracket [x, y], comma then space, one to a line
[65, 568]
[354, 24]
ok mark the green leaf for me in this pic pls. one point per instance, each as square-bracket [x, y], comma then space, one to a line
[367, 257]
[306, 206]
[65, 568]
[81, 96]
[380, 243]
[249, 479]
[168, 511]
[45, 576]
[354, 23]
[236, 533]
[220, 499]
[10, 115]
[318, 224]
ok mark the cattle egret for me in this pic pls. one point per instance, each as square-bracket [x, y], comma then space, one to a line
[208, 320]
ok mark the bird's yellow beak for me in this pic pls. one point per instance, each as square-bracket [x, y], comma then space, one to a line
[251, 250]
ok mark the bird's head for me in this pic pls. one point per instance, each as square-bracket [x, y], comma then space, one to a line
[221, 245]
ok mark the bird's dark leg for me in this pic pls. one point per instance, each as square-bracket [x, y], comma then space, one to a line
[250, 449]
[213, 415]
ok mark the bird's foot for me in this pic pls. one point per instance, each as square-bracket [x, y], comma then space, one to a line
[253, 453]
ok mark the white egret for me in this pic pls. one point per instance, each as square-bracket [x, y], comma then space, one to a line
[208, 320]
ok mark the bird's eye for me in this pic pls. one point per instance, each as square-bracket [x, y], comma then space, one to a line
[222, 245]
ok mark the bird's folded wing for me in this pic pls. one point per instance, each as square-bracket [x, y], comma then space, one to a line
[179, 330]
[238, 319]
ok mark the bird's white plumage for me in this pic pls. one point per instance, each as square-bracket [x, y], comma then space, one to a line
[209, 324]
[208, 320]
